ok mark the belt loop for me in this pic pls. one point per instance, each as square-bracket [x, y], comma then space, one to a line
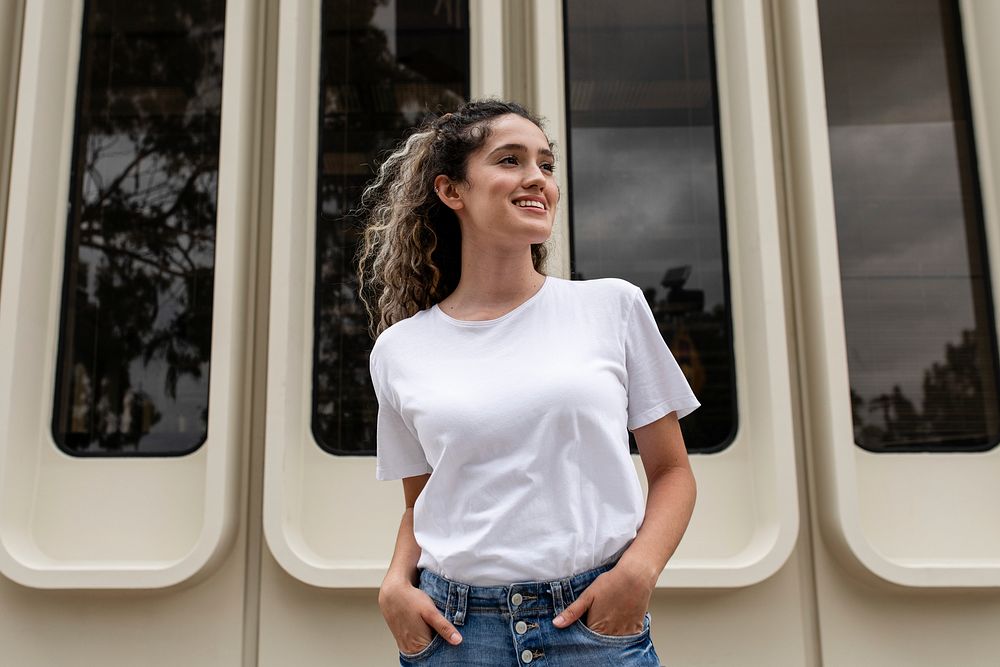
[461, 600]
[557, 594]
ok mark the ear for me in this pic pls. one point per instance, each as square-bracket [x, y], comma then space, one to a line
[448, 193]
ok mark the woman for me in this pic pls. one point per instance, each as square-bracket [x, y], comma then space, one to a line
[504, 397]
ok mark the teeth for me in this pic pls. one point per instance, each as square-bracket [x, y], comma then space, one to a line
[524, 203]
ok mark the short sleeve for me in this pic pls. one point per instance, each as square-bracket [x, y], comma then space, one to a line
[398, 451]
[656, 384]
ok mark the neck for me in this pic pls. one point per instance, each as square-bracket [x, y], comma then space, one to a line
[495, 279]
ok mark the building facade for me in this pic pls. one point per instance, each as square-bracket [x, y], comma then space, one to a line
[806, 190]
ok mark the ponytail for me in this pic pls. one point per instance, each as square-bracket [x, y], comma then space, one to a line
[409, 257]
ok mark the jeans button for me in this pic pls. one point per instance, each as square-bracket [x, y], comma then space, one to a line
[526, 655]
[516, 599]
[521, 627]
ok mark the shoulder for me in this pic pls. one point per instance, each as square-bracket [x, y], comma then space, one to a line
[616, 292]
[400, 338]
[603, 305]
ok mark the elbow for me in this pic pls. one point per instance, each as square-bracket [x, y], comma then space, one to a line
[673, 475]
[687, 475]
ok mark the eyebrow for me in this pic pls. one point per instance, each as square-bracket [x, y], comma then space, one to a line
[522, 148]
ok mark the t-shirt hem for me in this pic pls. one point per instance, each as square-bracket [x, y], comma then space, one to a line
[682, 405]
[402, 471]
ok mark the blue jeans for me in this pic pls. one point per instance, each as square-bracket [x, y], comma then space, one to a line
[506, 626]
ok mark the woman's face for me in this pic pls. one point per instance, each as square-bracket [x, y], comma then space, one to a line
[510, 196]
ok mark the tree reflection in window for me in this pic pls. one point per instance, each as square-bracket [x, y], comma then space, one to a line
[384, 65]
[646, 181]
[135, 334]
[918, 309]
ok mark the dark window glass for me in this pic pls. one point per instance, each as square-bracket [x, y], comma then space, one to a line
[135, 334]
[384, 65]
[916, 293]
[646, 182]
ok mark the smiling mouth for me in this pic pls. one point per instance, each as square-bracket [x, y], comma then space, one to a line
[531, 208]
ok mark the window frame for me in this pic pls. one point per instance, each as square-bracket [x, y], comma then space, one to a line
[159, 542]
[723, 213]
[962, 95]
[63, 340]
[310, 494]
[875, 518]
[751, 486]
[318, 206]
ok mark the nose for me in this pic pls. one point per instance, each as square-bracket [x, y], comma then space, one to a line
[535, 176]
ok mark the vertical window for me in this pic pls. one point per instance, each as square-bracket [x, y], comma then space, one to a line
[135, 331]
[918, 310]
[384, 65]
[646, 182]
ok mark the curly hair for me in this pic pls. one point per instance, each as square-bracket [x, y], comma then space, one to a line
[410, 255]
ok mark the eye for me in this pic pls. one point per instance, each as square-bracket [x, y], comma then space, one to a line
[508, 157]
[548, 165]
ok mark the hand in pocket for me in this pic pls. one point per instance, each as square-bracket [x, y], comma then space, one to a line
[614, 604]
[413, 618]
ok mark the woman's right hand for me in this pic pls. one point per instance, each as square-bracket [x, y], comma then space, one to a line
[412, 617]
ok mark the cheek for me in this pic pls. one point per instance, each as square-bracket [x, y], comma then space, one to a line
[502, 189]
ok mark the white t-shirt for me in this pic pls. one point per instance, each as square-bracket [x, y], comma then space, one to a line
[522, 421]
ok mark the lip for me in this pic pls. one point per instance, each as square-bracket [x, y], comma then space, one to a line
[540, 200]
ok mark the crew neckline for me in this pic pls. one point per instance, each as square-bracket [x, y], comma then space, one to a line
[481, 323]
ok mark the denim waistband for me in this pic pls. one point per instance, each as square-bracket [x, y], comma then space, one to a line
[529, 598]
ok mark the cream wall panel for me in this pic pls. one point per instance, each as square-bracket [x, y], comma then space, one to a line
[756, 473]
[547, 98]
[149, 522]
[746, 521]
[303, 486]
[867, 623]
[195, 626]
[910, 519]
[486, 20]
[306, 625]
[198, 623]
[861, 619]
[301, 624]
[754, 625]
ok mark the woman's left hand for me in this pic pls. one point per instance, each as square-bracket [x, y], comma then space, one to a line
[614, 604]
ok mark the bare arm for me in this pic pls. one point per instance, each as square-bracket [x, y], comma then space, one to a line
[403, 566]
[669, 503]
[409, 612]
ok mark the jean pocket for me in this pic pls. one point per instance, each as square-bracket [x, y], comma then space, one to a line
[426, 651]
[436, 641]
[617, 640]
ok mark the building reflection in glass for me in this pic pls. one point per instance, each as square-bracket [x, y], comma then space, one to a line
[646, 183]
[135, 332]
[918, 309]
[384, 65]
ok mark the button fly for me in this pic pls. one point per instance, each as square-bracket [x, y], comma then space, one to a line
[516, 599]
[521, 627]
